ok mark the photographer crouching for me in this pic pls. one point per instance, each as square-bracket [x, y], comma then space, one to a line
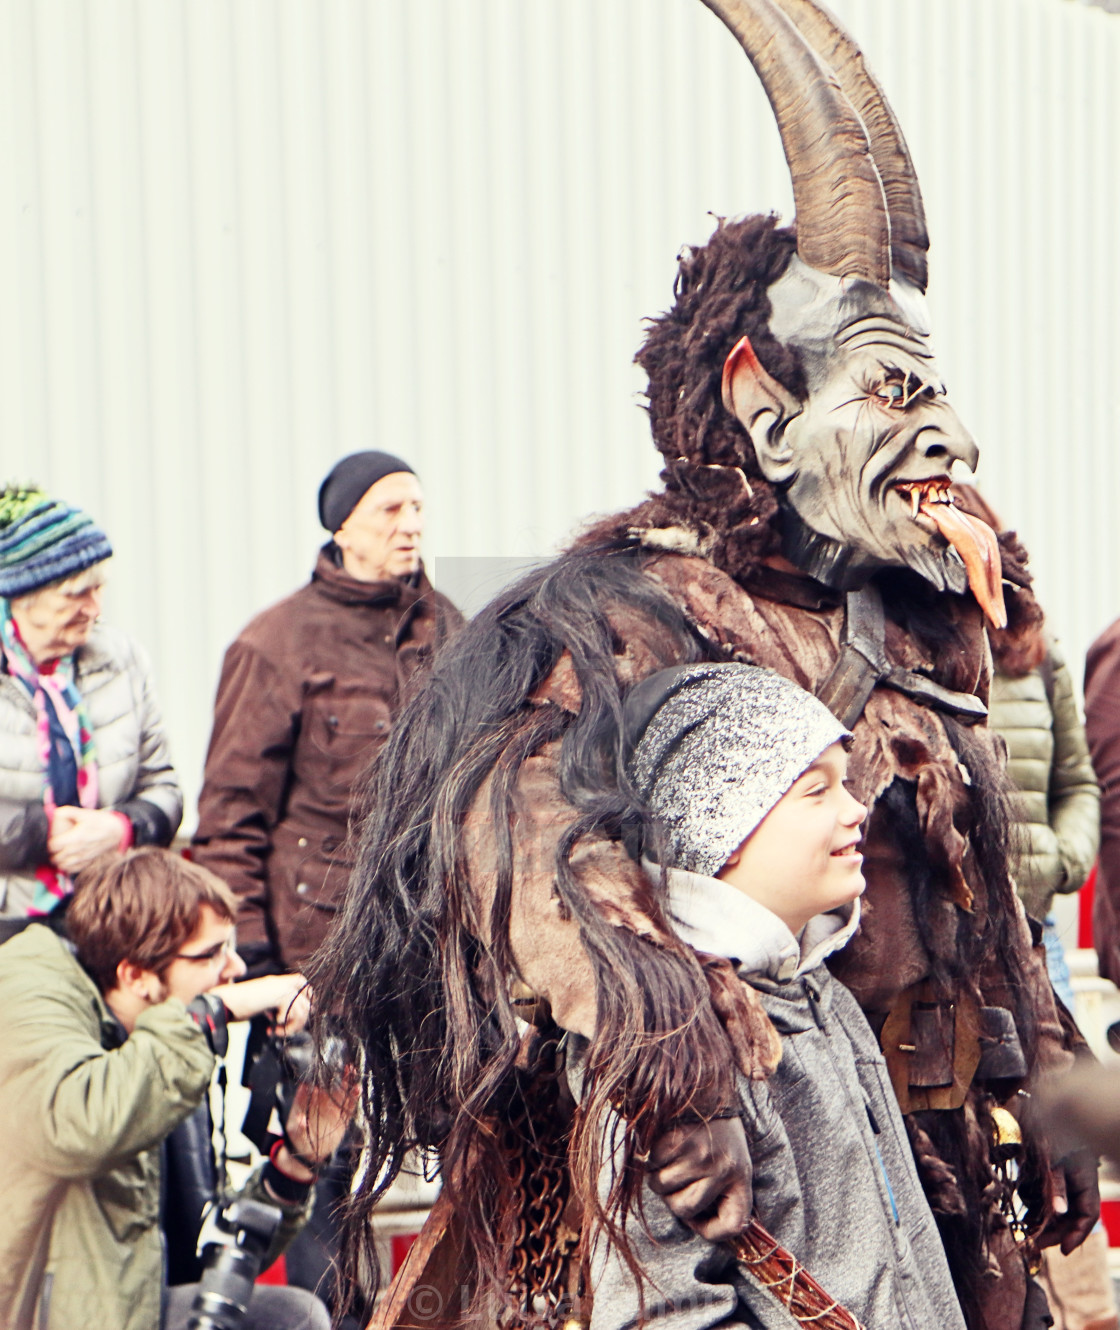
[109, 1044]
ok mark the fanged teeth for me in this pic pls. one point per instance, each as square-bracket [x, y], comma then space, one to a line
[930, 492]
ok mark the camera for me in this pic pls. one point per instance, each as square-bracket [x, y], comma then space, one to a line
[296, 1056]
[233, 1243]
[275, 1067]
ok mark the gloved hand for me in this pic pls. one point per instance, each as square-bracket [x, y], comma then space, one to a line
[703, 1173]
[1077, 1202]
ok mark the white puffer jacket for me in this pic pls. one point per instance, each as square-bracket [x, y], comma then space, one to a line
[135, 775]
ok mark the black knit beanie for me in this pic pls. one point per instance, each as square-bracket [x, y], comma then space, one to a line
[348, 481]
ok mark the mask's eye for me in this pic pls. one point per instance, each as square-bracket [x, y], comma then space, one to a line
[893, 393]
[899, 390]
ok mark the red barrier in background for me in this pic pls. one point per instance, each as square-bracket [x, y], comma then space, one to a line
[399, 1245]
[1085, 910]
[1110, 1218]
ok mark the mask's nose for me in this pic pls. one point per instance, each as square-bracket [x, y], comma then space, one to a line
[946, 439]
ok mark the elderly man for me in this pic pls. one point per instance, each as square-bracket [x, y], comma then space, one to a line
[306, 697]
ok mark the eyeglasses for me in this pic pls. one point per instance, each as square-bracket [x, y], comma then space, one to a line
[229, 946]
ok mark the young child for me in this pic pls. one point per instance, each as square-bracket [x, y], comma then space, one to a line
[744, 776]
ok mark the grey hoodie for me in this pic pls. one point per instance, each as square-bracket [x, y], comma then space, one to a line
[834, 1177]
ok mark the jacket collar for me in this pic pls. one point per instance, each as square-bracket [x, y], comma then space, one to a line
[334, 581]
[96, 654]
[716, 918]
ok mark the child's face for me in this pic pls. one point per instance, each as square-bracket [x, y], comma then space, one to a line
[802, 858]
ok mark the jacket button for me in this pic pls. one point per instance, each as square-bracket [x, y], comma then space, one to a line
[302, 842]
[302, 889]
[388, 639]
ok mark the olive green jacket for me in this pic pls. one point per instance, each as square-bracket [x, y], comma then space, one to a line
[82, 1121]
[1058, 801]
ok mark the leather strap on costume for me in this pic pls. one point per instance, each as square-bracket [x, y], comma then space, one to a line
[937, 1045]
[863, 663]
[932, 1046]
[863, 659]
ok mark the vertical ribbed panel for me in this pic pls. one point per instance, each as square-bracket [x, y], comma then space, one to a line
[239, 238]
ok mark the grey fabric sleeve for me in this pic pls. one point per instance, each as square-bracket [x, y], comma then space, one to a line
[689, 1283]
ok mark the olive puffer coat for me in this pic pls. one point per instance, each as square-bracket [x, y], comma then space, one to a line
[83, 1116]
[1058, 801]
[80, 1241]
[134, 770]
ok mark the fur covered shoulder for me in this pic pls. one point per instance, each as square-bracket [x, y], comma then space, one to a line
[740, 626]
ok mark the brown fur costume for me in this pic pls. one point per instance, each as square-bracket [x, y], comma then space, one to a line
[494, 844]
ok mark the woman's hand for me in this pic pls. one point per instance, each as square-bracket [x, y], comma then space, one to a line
[287, 995]
[79, 835]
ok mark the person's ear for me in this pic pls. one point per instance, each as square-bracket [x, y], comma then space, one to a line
[733, 858]
[763, 407]
[140, 983]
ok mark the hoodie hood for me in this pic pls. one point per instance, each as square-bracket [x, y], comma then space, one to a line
[719, 919]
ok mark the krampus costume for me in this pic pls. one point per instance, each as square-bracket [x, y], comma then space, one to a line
[806, 525]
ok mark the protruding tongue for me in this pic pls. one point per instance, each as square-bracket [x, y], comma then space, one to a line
[976, 543]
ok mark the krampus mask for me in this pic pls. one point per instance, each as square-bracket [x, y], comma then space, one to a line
[861, 461]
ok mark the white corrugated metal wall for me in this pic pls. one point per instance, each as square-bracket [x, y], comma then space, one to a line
[239, 238]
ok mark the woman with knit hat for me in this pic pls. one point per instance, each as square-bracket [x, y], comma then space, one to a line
[84, 763]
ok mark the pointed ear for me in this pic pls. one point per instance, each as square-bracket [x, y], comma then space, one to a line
[763, 407]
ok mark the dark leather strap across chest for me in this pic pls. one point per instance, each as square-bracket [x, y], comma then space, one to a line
[863, 663]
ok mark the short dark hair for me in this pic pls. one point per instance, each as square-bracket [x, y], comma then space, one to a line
[140, 906]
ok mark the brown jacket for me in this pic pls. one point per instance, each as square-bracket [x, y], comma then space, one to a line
[305, 700]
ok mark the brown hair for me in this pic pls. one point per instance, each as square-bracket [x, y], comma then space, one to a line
[140, 906]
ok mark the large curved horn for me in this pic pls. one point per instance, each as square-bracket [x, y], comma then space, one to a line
[838, 52]
[843, 226]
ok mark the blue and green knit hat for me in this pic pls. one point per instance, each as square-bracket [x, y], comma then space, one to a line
[44, 540]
